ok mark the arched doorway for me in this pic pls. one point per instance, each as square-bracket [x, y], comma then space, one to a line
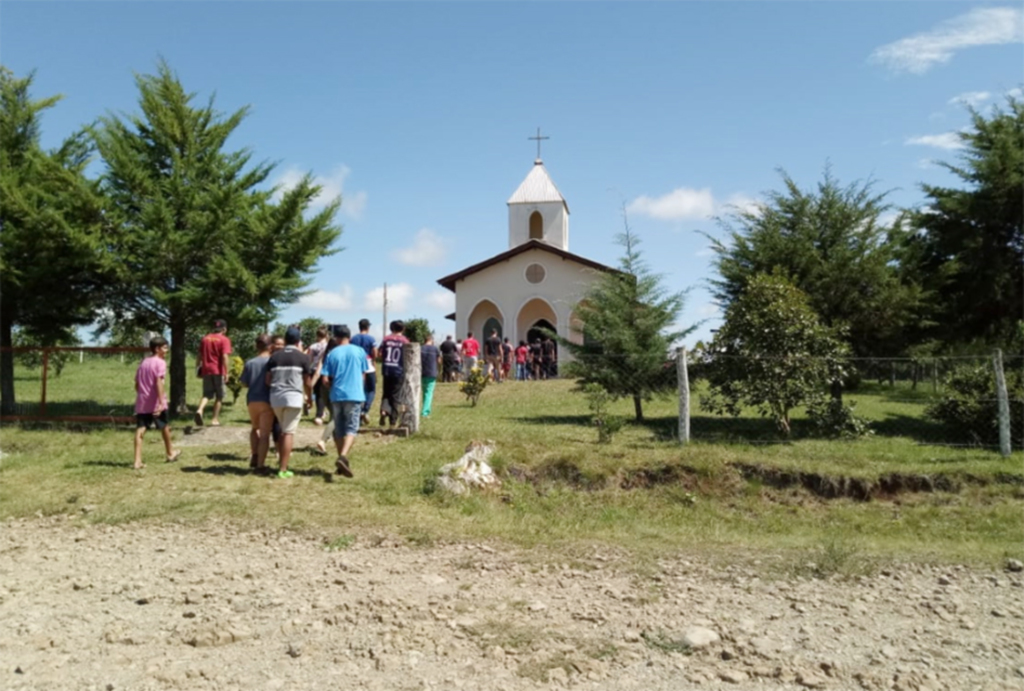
[490, 325]
[484, 317]
[534, 312]
[539, 330]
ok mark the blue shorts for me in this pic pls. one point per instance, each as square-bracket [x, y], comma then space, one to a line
[346, 417]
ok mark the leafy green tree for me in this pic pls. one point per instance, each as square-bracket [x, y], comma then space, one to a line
[772, 352]
[626, 320]
[971, 244]
[417, 329]
[199, 235]
[832, 245]
[307, 326]
[53, 261]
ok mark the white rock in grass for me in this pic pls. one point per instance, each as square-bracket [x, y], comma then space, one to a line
[469, 472]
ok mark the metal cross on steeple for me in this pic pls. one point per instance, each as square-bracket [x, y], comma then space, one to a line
[538, 138]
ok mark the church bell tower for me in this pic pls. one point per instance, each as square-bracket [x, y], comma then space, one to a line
[537, 210]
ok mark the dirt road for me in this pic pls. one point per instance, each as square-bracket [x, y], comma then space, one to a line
[173, 607]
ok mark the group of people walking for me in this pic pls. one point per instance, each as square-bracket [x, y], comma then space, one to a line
[534, 361]
[336, 374]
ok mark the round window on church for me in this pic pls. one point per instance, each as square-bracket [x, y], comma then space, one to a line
[535, 273]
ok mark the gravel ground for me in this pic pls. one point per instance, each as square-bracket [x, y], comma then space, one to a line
[174, 607]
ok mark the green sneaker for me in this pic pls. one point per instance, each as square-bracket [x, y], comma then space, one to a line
[285, 474]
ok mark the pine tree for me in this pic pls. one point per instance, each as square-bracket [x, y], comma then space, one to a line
[971, 244]
[200, 236]
[53, 262]
[625, 320]
[832, 244]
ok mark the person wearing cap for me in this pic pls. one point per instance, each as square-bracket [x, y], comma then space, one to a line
[213, 366]
[289, 373]
[345, 369]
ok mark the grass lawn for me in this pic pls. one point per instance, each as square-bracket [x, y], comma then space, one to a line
[570, 489]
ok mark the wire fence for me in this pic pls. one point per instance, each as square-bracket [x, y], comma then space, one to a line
[86, 384]
[953, 401]
[971, 401]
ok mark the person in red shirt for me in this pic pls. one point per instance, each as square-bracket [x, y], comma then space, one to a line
[522, 352]
[214, 365]
[470, 351]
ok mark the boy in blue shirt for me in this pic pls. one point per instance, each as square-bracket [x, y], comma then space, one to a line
[345, 370]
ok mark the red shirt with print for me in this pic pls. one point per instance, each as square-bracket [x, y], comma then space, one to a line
[471, 347]
[212, 350]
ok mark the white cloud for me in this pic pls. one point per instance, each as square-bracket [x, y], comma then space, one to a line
[983, 26]
[1015, 92]
[325, 300]
[946, 140]
[741, 203]
[442, 299]
[331, 186]
[399, 295]
[926, 163]
[708, 309]
[971, 98]
[679, 204]
[427, 249]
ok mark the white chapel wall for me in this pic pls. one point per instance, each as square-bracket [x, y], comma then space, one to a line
[505, 285]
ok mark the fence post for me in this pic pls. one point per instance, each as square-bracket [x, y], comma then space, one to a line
[1004, 404]
[684, 396]
[410, 395]
[46, 368]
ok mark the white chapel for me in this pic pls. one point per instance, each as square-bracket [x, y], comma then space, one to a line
[533, 284]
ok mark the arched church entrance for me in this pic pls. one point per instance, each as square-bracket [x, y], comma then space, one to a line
[539, 330]
[484, 317]
[535, 315]
[490, 325]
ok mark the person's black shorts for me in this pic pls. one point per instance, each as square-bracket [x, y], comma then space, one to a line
[213, 386]
[151, 421]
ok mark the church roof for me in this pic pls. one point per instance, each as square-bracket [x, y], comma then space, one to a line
[537, 187]
[450, 280]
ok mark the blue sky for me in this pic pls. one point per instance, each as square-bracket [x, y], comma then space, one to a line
[419, 113]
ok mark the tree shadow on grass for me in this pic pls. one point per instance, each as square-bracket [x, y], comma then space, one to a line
[216, 469]
[226, 457]
[104, 464]
[576, 420]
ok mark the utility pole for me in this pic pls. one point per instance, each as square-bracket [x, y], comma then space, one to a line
[384, 324]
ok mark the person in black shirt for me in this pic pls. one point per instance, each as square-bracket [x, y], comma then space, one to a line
[548, 357]
[535, 359]
[492, 356]
[450, 360]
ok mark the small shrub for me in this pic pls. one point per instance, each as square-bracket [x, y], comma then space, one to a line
[474, 385]
[607, 425]
[969, 407]
[833, 419]
[234, 382]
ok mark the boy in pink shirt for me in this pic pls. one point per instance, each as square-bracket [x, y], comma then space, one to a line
[151, 400]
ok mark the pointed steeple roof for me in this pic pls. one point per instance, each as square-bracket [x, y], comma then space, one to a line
[537, 188]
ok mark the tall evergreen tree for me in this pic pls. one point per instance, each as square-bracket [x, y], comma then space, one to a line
[52, 258]
[830, 243]
[200, 235]
[971, 244]
[626, 319]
